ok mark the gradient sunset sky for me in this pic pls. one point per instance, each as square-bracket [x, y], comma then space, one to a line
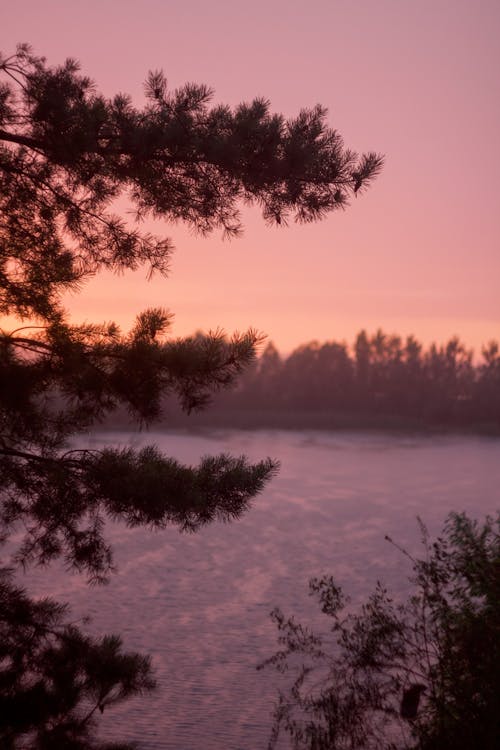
[417, 80]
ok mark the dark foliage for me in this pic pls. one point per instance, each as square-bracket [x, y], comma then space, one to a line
[420, 675]
[54, 678]
[67, 155]
[68, 152]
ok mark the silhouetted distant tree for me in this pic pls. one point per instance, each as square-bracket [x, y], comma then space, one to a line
[267, 382]
[450, 379]
[363, 362]
[335, 375]
[412, 375]
[67, 154]
[487, 390]
[301, 369]
[420, 675]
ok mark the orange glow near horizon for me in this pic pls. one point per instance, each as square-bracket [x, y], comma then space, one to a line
[418, 253]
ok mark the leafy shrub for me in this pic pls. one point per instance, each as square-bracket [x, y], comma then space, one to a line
[422, 675]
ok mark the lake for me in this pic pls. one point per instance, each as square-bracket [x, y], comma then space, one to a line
[200, 603]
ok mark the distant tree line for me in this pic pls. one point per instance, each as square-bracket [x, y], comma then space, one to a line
[381, 377]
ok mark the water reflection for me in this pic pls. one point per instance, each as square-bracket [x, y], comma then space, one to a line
[200, 603]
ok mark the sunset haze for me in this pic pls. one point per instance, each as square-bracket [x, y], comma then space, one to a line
[418, 252]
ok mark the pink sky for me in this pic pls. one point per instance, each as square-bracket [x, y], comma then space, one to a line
[417, 80]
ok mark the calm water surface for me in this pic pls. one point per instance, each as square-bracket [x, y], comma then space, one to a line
[199, 604]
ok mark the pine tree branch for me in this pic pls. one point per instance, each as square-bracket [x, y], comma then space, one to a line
[21, 140]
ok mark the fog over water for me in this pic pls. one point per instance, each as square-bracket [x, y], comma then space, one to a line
[200, 603]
